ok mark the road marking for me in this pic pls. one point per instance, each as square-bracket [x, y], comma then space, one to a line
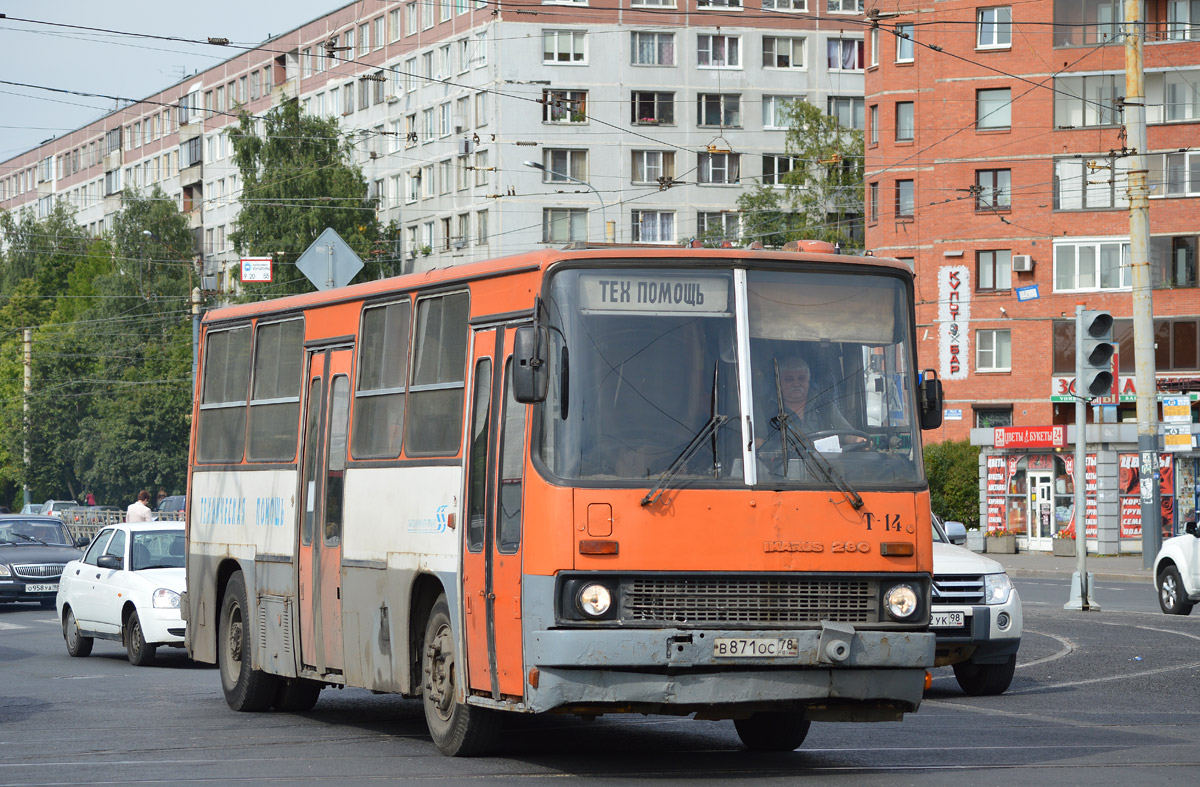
[1109, 678]
[12, 627]
[1153, 628]
[1067, 647]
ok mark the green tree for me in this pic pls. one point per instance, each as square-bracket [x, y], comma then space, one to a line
[298, 178]
[952, 468]
[823, 194]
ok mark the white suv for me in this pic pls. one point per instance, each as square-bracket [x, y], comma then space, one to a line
[1177, 572]
[976, 615]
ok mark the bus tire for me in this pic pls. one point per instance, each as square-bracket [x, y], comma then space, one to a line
[778, 731]
[458, 730]
[982, 680]
[246, 689]
[296, 695]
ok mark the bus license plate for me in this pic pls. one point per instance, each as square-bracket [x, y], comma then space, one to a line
[947, 620]
[41, 588]
[752, 647]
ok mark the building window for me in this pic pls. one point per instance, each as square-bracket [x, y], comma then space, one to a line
[991, 417]
[904, 199]
[720, 109]
[785, 5]
[718, 3]
[775, 167]
[844, 54]
[904, 43]
[993, 270]
[993, 351]
[1173, 174]
[562, 166]
[564, 106]
[993, 189]
[563, 225]
[780, 52]
[1176, 345]
[904, 121]
[719, 168]
[874, 125]
[714, 51]
[719, 225]
[1088, 101]
[1091, 184]
[1086, 22]
[847, 110]
[1173, 261]
[993, 108]
[1091, 265]
[775, 112]
[652, 49]
[652, 108]
[481, 168]
[564, 46]
[481, 227]
[653, 3]
[651, 165]
[874, 46]
[653, 226]
[444, 119]
[1183, 20]
[995, 28]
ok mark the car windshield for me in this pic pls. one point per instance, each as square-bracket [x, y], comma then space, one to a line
[695, 376]
[19, 531]
[939, 533]
[156, 549]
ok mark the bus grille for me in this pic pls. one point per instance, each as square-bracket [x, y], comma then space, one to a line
[958, 589]
[749, 602]
[40, 570]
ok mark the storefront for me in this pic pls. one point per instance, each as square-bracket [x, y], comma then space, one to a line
[1027, 486]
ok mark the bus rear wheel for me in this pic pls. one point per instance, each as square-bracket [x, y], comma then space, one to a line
[458, 730]
[780, 731]
[246, 689]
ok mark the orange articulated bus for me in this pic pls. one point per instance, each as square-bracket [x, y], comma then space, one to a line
[593, 480]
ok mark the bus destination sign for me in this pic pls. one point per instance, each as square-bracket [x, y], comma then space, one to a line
[659, 293]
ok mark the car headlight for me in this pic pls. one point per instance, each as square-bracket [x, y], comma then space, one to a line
[901, 602]
[4, 572]
[996, 588]
[594, 600]
[166, 599]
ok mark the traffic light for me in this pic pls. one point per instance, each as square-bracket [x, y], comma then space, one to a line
[1094, 375]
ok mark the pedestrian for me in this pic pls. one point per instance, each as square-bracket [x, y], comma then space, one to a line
[90, 499]
[139, 510]
[162, 494]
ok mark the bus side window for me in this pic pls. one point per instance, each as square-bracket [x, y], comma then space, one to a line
[275, 398]
[477, 481]
[439, 366]
[335, 477]
[382, 373]
[222, 428]
[512, 466]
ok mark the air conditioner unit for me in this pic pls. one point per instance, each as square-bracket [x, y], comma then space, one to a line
[1022, 263]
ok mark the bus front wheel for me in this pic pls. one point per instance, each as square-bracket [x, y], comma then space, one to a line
[783, 731]
[458, 730]
[246, 689]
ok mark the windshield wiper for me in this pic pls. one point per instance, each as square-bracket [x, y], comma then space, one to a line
[715, 421]
[31, 538]
[807, 451]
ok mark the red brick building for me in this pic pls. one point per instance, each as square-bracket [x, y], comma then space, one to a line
[996, 163]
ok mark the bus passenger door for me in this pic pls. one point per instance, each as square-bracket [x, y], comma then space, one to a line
[505, 592]
[327, 418]
[477, 517]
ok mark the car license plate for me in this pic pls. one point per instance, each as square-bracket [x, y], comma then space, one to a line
[41, 588]
[754, 647]
[947, 620]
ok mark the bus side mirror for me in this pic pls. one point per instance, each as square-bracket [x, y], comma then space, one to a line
[530, 376]
[929, 390]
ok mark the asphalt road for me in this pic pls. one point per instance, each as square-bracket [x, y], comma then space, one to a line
[1111, 596]
[1098, 699]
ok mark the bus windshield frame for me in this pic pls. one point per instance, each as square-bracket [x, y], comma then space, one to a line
[653, 366]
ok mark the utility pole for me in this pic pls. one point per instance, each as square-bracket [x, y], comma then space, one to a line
[1139, 258]
[28, 347]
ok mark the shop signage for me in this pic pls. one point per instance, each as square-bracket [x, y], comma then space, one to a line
[954, 314]
[1062, 389]
[1029, 436]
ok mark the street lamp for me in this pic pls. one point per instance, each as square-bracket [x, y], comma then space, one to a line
[603, 213]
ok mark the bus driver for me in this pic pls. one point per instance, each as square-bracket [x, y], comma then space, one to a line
[808, 414]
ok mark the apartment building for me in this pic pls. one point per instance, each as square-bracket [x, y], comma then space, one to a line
[485, 130]
[996, 163]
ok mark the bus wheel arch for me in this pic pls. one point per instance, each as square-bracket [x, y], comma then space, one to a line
[425, 591]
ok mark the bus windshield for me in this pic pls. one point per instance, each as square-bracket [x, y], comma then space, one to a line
[697, 373]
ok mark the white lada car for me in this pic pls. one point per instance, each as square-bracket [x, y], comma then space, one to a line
[125, 588]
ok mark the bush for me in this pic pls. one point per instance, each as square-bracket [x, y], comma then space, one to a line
[953, 472]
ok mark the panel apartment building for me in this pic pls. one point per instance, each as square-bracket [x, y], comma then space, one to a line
[996, 163]
[486, 130]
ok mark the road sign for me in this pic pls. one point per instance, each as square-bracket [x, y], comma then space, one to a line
[256, 269]
[329, 262]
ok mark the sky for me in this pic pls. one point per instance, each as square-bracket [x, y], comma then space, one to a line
[115, 64]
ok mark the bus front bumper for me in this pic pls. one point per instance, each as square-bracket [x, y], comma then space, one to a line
[833, 673]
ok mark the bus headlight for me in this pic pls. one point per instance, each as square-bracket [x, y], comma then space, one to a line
[594, 600]
[996, 588]
[900, 601]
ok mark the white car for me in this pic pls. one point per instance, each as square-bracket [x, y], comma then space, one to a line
[1177, 572]
[125, 588]
[976, 616]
